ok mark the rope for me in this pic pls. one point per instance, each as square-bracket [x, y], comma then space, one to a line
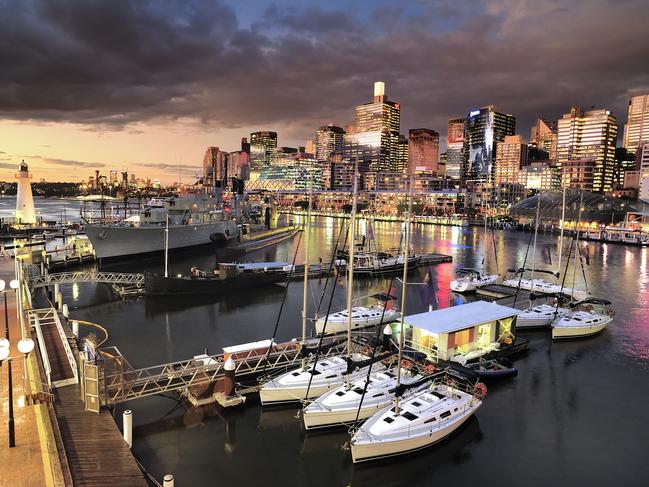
[518, 289]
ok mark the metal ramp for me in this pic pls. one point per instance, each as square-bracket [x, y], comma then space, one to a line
[122, 278]
[58, 360]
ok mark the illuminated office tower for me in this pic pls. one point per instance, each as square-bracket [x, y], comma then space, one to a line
[544, 136]
[589, 135]
[328, 141]
[374, 141]
[423, 151]
[643, 161]
[455, 147]
[215, 167]
[511, 156]
[636, 130]
[261, 145]
[402, 154]
[484, 129]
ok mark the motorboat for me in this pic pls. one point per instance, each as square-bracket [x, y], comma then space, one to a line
[417, 422]
[314, 379]
[357, 400]
[586, 318]
[492, 369]
[469, 280]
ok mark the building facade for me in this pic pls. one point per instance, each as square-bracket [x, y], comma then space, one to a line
[643, 162]
[484, 129]
[636, 129]
[511, 156]
[588, 136]
[215, 167]
[543, 136]
[423, 151]
[261, 145]
[541, 176]
[328, 141]
[455, 147]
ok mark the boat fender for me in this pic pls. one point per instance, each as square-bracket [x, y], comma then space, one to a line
[481, 390]
[218, 237]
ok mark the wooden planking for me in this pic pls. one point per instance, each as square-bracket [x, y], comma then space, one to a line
[96, 451]
[59, 363]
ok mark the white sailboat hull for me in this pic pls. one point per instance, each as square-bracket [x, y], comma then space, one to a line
[286, 395]
[543, 318]
[463, 285]
[567, 332]
[373, 317]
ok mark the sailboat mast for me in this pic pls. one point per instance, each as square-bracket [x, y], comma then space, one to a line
[536, 232]
[563, 217]
[577, 253]
[306, 262]
[406, 255]
[167, 247]
[350, 264]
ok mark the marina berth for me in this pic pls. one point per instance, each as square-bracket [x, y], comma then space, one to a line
[419, 421]
[586, 318]
[468, 280]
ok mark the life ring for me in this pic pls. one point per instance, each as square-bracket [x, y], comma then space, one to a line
[406, 364]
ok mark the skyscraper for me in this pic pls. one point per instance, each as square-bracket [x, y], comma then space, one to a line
[511, 156]
[328, 141]
[375, 137]
[636, 130]
[455, 147]
[643, 161]
[423, 151]
[591, 136]
[402, 154]
[484, 129]
[261, 144]
[215, 167]
[544, 136]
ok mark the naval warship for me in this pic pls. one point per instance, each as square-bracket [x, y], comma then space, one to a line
[192, 220]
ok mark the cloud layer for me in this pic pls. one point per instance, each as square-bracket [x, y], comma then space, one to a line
[116, 62]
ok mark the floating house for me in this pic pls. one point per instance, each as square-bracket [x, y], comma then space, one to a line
[461, 333]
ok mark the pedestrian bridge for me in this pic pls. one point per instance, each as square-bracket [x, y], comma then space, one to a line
[123, 278]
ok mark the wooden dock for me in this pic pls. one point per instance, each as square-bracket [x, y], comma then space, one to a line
[96, 451]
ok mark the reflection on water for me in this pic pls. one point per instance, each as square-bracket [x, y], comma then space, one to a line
[571, 417]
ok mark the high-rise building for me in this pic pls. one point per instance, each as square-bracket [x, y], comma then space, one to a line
[484, 129]
[636, 129]
[580, 174]
[215, 167]
[544, 137]
[261, 145]
[455, 147]
[643, 161]
[625, 161]
[245, 145]
[540, 175]
[238, 165]
[511, 156]
[328, 141]
[402, 154]
[441, 167]
[589, 136]
[310, 147]
[113, 177]
[423, 151]
[374, 140]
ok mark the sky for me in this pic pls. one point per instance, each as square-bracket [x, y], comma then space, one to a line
[148, 85]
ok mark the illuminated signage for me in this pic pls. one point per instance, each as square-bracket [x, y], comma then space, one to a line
[474, 113]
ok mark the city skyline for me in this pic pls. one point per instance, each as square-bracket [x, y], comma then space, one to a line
[102, 100]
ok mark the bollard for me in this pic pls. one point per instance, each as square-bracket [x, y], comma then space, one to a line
[75, 328]
[229, 379]
[168, 481]
[387, 335]
[66, 312]
[59, 300]
[127, 425]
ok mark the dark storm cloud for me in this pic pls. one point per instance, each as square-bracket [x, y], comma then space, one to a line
[115, 62]
[174, 168]
[61, 162]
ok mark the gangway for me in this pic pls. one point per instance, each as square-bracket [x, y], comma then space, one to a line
[58, 360]
[119, 381]
[123, 278]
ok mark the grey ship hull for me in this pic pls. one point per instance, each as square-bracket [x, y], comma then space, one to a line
[117, 241]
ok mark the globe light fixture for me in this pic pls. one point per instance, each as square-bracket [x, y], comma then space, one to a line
[4, 353]
[4, 343]
[13, 284]
[26, 345]
[2, 285]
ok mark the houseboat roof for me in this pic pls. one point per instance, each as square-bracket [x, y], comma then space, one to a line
[255, 266]
[460, 317]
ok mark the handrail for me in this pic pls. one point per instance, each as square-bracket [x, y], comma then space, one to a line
[43, 348]
[66, 347]
[85, 276]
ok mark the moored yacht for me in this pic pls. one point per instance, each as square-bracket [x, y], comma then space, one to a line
[421, 420]
[362, 316]
[469, 280]
[539, 316]
[587, 318]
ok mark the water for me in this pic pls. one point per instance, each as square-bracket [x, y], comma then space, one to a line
[573, 416]
[55, 209]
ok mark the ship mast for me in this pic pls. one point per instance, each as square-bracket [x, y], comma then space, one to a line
[350, 264]
[167, 246]
[306, 266]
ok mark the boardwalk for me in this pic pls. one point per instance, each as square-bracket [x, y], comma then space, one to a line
[97, 453]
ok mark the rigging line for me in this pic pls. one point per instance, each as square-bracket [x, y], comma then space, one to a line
[379, 329]
[329, 271]
[281, 307]
[520, 278]
[493, 238]
[583, 270]
[324, 325]
[563, 280]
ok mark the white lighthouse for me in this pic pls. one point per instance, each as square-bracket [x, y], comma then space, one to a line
[25, 213]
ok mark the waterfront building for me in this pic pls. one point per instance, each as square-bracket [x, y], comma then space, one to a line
[310, 146]
[373, 142]
[541, 176]
[511, 156]
[385, 181]
[636, 129]
[215, 167]
[402, 154]
[643, 163]
[338, 175]
[543, 137]
[328, 141]
[485, 128]
[580, 174]
[113, 177]
[292, 169]
[261, 144]
[585, 137]
[239, 164]
[441, 170]
[423, 151]
[455, 147]
[124, 179]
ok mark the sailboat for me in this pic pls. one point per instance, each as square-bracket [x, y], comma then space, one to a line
[468, 280]
[586, 318]
[314, 379]
[362, 316]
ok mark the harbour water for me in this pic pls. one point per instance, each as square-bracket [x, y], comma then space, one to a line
[573, 416]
